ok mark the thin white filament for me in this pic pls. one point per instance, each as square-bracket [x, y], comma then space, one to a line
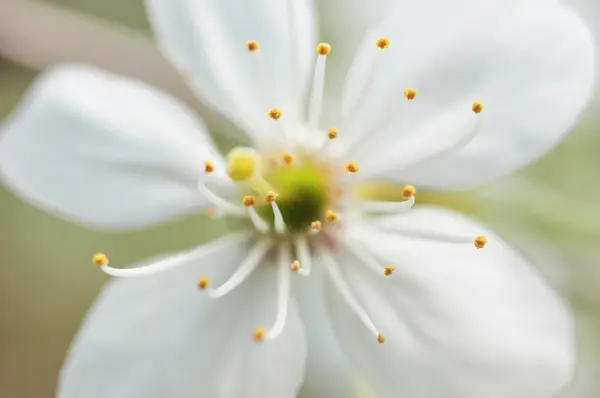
[349, 115]
[365, 259]
[175, 260]
[316, 93]
[422, 234]
[279, 223]
[224, 205]
[341, 285]
[260, 224]
[303, 253]
[245, 269]
[462, 141]
[387, 207]
[283, 292]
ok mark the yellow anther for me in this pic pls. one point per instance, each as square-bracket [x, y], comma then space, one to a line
[380, 338]
[477, 107]
[323, 49]
[275, 113]
[410, 93]
[249, 201]
[242, 163]
[383, 43]
[270, 197]
[295, 267]
[288, 158]
[203, 283]
[210, 212]
[352, 167]
[331, 217]
[252, 45]
[100, 259]
[259, 334]
[333, 133]
[389, 269]
[408, 191]
[316, 225]
[480, 241]
[209, 166]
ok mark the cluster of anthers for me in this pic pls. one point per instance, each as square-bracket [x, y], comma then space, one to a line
[288, 200]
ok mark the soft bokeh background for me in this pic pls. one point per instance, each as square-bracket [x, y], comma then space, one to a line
[551, 211]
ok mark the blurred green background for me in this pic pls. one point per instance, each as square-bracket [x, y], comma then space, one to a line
[550, 211]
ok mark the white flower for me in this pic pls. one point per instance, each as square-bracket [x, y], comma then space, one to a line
[456, 321]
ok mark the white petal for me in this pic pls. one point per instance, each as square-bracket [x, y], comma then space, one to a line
[159, 336]
[104, 150]
[459, 322]
[328, 372]
[207, 39]
[532, 66]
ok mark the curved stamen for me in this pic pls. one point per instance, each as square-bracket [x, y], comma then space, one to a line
[283, 292]
[222, 204]
[303, 255]
[350, 114]
[318, 84]
[279, 223]
[363, 256]
[387, 207]
[342, 287]
[245, 269]
[260, 224]
[415, 233]
[174, 261]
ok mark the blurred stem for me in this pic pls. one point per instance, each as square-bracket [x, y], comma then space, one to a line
[37, 35]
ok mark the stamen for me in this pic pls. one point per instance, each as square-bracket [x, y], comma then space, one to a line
[342, 287]
[331, 217]
[333, 133]
[383, 43]
[218, 201]
[422, 234]
[295, 267]
[275, 113]
[288, 158]
[352, 167]
[278, 222]
[210, 212]
[203, 283]
[408, 191]
[283, 293]
[100, 259]
[318, 84]
[245, 269]
[303, 254]
[249, 201]
[270, 197]
[477, 107]
[315, 225]
[365, 259]
[259, 224]
[389, 269]
[252, 45]
[209, 166]
[259, 334]
[174, 261]
[480, 241]
[387, 207]
[410, 94]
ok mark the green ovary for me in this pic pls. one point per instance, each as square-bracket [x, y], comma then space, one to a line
[302, 195]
